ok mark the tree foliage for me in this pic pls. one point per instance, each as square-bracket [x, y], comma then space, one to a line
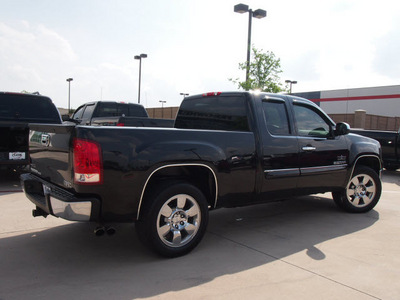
[264, 72]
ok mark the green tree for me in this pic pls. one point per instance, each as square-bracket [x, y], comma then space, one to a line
[264, 72]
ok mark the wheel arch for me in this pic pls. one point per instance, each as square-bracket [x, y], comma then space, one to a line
[371, 161]
[200, 175]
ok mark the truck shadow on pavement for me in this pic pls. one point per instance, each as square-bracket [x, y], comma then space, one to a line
[391, 177]
[69, 262]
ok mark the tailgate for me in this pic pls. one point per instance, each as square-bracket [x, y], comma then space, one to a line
[49, 147]
[14, 144]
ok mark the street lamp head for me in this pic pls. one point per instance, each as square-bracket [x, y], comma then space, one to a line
[140, 56]
[69, 79]
[291, 81]
[259, 14]
[241, 8]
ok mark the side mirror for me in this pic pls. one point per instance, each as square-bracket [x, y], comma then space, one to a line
[65, 117]
[342, 128]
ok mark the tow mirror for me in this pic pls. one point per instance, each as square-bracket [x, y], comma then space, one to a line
[342, 128]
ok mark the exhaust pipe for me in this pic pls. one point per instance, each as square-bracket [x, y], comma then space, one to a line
[110, 230]
[101, 230]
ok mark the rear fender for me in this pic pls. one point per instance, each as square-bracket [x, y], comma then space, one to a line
[210, 191]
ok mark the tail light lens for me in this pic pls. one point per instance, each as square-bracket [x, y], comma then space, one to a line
[88, 167]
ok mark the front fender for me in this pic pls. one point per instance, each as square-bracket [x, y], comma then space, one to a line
[360, 146]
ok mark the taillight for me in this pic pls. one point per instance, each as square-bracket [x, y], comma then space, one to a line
[88, 168]
[121, 124]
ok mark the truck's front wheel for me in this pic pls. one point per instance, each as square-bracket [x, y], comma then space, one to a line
[362, 192]
[176, 221]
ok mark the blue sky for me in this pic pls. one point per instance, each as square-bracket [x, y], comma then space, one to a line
[192, 46]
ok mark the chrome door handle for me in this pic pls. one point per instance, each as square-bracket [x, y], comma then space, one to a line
[309, 148]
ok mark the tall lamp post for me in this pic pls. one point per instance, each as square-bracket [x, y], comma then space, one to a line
[69, 93]
[259, 14]
[162, 108]
[139, 57]
[290, 84]
[184, 95]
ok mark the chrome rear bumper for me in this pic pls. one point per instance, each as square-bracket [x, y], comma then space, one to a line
[59, 202]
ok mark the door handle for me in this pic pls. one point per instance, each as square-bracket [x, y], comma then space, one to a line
[309, 148]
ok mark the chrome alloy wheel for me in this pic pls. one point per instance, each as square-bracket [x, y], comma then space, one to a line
[178, 220]
[361, 190]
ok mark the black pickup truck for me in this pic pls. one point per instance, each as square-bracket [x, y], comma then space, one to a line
[16, 111]
[390, 143]
[112, 113]
[226, 150]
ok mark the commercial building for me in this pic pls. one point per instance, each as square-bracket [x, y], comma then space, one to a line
[381, 100]
[369, 108]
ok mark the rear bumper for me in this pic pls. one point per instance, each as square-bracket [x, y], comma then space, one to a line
[59, 202]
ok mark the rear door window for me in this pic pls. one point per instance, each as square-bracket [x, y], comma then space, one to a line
[276, 117]
[87, 114]
[78, 113]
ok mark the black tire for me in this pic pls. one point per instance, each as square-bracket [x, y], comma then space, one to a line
[362, 192]
[175, 222]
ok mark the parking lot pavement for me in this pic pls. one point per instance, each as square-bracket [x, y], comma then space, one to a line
[301, 248]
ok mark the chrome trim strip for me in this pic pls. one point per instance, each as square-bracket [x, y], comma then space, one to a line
[177, 165]
[282, 172]
[300, 171]
[323, 169]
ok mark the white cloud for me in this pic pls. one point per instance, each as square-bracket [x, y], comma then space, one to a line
[31, 57]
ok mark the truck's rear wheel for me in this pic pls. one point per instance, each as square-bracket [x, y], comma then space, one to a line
[362, 192]
[176, 221]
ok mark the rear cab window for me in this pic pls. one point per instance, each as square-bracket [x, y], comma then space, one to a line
[111, 109]
[28, 108]
[215, 112]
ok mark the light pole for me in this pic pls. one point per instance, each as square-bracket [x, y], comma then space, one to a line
[69, 93]
[162, 108]
[139, 57]
[259, 14]
[290, 84]
[184, 95]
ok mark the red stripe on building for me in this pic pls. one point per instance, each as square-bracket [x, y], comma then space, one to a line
[357, 98]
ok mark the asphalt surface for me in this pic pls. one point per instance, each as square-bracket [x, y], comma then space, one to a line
[303, 248]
